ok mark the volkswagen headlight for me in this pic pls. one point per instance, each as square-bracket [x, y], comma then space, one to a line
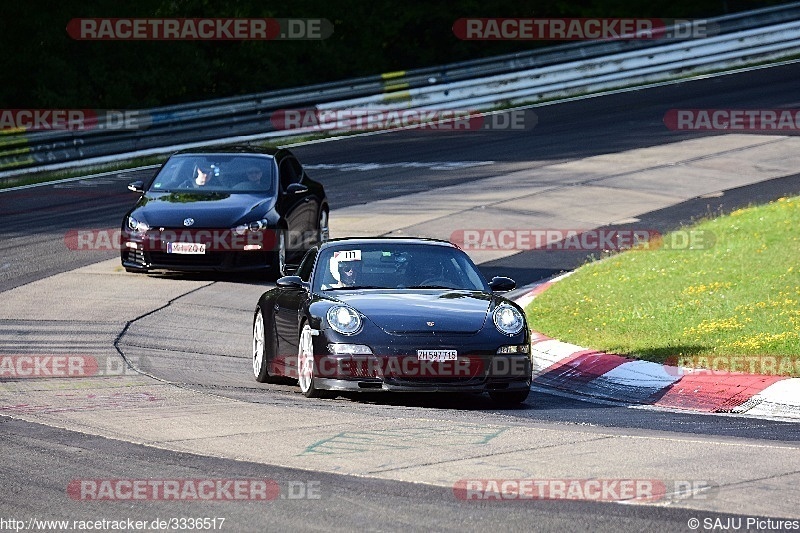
[258, 225]
[508, 320]
[344, 320]
[137, 226]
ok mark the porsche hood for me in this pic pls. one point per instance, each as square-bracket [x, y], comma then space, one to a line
[421, 312]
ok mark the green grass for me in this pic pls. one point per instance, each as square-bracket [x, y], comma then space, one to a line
[740, 296]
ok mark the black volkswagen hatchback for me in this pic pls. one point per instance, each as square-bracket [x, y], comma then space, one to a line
[237, 208]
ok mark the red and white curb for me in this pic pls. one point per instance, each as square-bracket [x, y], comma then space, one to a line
[592, 374]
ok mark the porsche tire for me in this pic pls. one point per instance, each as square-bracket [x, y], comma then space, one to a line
[260, 362]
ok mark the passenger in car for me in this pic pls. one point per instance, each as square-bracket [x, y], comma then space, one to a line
[253, 181]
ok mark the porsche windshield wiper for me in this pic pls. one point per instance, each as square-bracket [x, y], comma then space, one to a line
[429, 287]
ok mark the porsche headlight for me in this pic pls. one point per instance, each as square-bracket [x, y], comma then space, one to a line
[344, 320]
[137, 226]
[508, 320]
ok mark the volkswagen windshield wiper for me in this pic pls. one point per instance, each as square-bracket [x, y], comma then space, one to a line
[355, 287]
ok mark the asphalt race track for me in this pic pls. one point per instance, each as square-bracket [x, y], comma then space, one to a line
[394, 463]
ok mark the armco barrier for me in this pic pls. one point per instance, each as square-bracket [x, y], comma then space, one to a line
[557, 71]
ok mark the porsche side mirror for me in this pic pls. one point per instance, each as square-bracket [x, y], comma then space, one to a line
[502, 284]
[291, 282]
[136, 186]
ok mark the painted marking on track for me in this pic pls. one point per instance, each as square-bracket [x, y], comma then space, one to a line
[20, 387]
[120, 174]
[432, 165]
[87, 402]
[87, 183]
[403, 439]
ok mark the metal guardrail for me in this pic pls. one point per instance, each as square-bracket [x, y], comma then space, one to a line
[598, 73]
[511, 79]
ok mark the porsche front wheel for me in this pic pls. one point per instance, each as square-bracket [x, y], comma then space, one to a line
[260, 364]
[306, 367]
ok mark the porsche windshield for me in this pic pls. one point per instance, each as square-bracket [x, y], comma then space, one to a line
[396, 266]
[232, 173]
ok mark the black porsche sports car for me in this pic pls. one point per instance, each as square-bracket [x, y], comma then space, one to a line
[392, 315]
[237, 208]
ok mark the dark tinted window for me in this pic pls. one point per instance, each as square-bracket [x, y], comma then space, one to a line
[307, 265]
[396, 266]
[290, 171]
[216, 172]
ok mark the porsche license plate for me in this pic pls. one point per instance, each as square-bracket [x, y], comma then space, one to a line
[185, 248]
[437, 355]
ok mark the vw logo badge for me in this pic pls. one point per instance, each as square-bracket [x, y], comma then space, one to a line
[188, 221]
